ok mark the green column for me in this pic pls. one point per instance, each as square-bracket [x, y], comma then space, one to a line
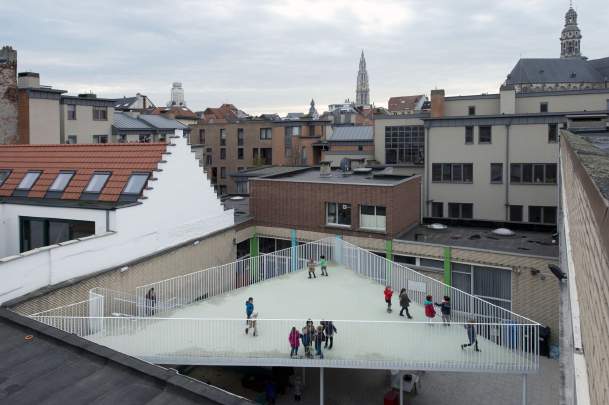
[389, 256]
[447, 266]
[254, 253]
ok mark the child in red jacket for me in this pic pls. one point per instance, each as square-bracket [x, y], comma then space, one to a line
[430, 311]
[388, 293]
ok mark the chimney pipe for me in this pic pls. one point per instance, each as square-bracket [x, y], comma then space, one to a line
[437, 103]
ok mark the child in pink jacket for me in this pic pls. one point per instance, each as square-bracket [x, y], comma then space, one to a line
[294, 339]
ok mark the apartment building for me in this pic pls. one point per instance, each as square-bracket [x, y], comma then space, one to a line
[232, 141]
[493, 157]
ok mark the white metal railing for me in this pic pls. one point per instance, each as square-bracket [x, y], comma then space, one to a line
[133, 324]
[464, 306]
[368, 344]
[201, 285]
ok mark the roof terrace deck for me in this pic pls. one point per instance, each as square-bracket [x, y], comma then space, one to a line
[200, 318]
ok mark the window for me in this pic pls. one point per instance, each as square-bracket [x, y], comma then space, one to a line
[405, 259]
[543, 106]
[338, 214]
[222, 153]
[516, 213]
[243, 187]
[294, 131]
[437, 264]
[97, 182]
[484, 134]
[39, 232]
[100, 138]
[145, 138]
[404, 144]
[288, 141]
[72, 140]
[222, 137]
[240, 137]
[122, 138]
[240, 153]
[469, 134]
[100, 113]
[372, 217]
[360, 148]
[461, 210]
[201, 136]
[4, 175]
[471, 110]
[136, 183]
[71, 111]
[28, 180]
[223, 172]
[266, 133]
[542, 215]
[497, 173]
[490, 283]
[437, 209]
[533, 173]
[452, 172]
[208, 157]
[61, 181]
[552, 133]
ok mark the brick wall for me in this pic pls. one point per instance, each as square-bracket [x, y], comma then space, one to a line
[588, 219]
[8, 95]
[211, 251]
[300, 205]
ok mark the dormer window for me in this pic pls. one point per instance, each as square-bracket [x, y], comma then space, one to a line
[97, 182]
[4, 175]
[61, 181]
[136, 183]
[28, 180]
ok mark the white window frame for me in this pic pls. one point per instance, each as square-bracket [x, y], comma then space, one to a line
[336, 224]
[377, 228]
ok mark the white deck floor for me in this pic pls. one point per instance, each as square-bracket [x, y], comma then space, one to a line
[368, 336]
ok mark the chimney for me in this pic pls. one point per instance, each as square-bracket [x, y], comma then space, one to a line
[437, 103]
[28, 80]
[324, 169]
[507, 99]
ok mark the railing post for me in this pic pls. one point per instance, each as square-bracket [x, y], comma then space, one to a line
[321, 386]
[338, 249]
[294, 250]
[524, 389]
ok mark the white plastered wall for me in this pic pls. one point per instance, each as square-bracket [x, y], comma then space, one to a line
[179, 206]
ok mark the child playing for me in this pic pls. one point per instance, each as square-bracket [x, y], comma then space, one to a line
[324, 265]
[388, 294]
[249, 310]
[311, 265]
[319, 338]
[445, 310]
[430, 312]
[470, 327]
[251, 324]
[294, 339]
[404, 303]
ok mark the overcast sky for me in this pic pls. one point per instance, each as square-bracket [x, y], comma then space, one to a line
[274, 56]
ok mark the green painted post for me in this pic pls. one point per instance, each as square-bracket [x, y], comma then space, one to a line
[389, 256]
[254, 253]
[447, 267]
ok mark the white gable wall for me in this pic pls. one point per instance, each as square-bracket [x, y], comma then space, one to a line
[180, 206]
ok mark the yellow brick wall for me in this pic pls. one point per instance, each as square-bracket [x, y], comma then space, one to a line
[211, 251]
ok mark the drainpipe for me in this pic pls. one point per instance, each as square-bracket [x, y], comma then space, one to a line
[107, 221]
[507, 172]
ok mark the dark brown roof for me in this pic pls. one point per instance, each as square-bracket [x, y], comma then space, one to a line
[174, 111]
[119, 159]
[404, 103]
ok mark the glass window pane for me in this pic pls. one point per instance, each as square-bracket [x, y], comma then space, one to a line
[467, 211]
[460, 267]
[331, 213]
[534, 214]
[28, 180]
[549, 215]
[492, 282]
[97, 182]
[367, 210]
[538, 172]
[446, 172]
[61, 181]
[436, 172]
[457, 172]
[453, 210]
[136, 183]
[438, 264]
[516, 213]
[58, 232]
[527, 173]
[80, 229]
[551, 173]
[344, 214]
[515, 173]
[496, 172]
[437, 209]
[4, 175]
[468, 172]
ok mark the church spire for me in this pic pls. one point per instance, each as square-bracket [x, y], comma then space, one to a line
[570, 37]
[362, 91]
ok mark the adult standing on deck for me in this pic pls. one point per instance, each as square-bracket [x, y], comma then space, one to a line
[150, 301]
[330, 330]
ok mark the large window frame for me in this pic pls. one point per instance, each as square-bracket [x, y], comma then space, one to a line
[452, 173]
[100, 113]
[4, 174]
[527, 173]
[222, 137]
[338, 214]
[94, 177]
[374, 218]
[266, 134]
[496, 173]
[29, 180]
[404, 144]
[485, 134]
[71, 112]
[547, 214]
[45, 239]
[62, 180]
[136, 183]
[462, 210]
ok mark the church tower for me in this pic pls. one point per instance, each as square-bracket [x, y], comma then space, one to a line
[362, 91]
[570, 37]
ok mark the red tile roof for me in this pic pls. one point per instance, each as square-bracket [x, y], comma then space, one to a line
[404, 103]
[119, 159]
